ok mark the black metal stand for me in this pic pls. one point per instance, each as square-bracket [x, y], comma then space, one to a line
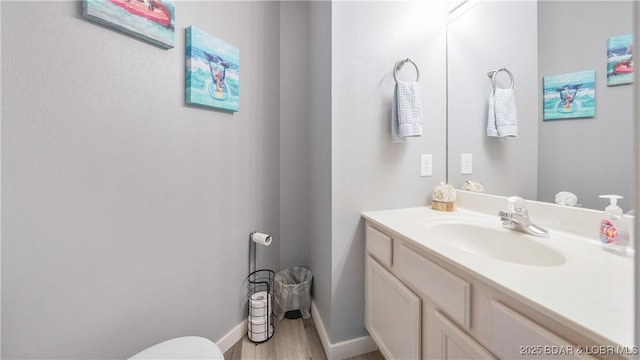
[259, 298]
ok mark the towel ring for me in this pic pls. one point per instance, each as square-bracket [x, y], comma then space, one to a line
[492, 74]
[400, 64]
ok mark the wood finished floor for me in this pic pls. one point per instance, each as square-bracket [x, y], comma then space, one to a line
[293, 339]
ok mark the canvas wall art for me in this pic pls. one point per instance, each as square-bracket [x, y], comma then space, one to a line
[620, 60]
[150, 20]
[568, 96]
[213, 72]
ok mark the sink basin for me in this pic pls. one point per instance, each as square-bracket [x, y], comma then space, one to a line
[496, 242]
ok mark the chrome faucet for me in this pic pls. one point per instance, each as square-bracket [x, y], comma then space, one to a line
[517, 218]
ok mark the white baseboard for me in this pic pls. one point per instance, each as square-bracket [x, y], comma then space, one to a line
[322, 332]
[229, 339]
[343, 349]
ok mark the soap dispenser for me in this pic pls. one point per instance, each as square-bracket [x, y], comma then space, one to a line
[614, 233]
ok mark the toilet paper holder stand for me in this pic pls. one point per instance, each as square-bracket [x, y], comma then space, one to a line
[259, 299]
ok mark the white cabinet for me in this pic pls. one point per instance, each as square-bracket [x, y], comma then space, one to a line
[452, 294]
[451, 342]
[516, 337]
[392, 313]
[420, 306]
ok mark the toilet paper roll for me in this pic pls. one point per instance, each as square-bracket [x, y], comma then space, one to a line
[259, 331]
[259, 321]
[259, 306]
[262, 239]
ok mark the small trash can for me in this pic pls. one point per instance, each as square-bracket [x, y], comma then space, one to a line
[292, 291]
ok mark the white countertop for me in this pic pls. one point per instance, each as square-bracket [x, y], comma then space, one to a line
[592, 290]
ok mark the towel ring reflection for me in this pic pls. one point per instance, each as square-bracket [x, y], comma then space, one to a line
[400, 64]
[492, 74]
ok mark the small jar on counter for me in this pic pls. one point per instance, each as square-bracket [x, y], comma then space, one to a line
[444, 198]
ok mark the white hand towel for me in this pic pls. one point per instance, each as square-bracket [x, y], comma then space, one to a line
[492, 130]
[505, 108]
[502, 104]
[395, 126]
[406, 117]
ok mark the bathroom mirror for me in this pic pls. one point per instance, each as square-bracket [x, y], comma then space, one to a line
[587, 156]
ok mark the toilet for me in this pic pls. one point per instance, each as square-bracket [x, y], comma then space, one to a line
[187, 347]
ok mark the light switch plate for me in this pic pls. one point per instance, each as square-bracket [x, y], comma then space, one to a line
[466, 164]
[426, 165]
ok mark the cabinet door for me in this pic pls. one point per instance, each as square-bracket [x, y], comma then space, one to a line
[516, 337]
[392, 313]
[453, 343]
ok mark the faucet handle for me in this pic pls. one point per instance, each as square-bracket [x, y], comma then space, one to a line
[517, 205]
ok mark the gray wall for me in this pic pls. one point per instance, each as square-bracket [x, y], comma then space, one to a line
[590, 156]
[294, 134]
[320, 156]
[493, 34]
[126, 213]
[368, 171]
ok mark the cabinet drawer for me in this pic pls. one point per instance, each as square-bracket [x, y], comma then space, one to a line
[514, 336]
[449, 292]
[379, 245]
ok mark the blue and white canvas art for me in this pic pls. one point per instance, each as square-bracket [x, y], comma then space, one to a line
[150, 20]
[213, 71]
[571, 95]
[620, 60]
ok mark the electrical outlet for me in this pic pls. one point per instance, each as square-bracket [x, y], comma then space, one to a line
[466, 164]
[426, 165]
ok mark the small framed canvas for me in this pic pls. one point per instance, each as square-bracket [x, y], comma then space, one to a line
[150, 20]
[213, 72]
[568, 96]
[620, 60]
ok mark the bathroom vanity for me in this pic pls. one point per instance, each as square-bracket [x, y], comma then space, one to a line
[457, 285]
